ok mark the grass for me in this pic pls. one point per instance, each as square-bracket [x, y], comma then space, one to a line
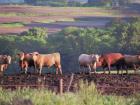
[12, 24]
[14, 14]
[87, 95]
[55, 20]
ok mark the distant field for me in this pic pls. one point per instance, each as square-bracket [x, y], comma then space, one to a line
[47, 15]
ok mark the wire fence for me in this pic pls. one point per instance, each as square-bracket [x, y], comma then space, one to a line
[66, 83]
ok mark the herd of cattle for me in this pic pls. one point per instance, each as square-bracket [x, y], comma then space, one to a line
[93, 61]
[117, 60]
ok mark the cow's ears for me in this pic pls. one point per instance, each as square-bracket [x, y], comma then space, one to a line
[33, 53]
[37, 54]
[92, 55]
[139, 56]
[30, 53]
[18, 54]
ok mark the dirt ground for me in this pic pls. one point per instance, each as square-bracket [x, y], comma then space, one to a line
[126, 84]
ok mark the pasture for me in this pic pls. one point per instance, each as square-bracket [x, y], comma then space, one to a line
[95, 89]
[57, 18]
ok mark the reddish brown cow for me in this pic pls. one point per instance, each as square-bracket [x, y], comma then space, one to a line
[25, 61]
[111, 59]
[47, 60]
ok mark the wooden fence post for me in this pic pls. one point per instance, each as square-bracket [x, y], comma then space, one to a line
[71, 79]
[134, 88]
[61, 86]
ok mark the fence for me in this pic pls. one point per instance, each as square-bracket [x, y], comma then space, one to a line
[66, 83]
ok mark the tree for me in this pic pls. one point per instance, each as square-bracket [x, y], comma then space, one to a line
[128, 36]
[36, 32]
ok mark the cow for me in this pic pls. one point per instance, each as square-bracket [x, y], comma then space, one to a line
[47, 60]
[25, 61]
[132, 61]
[5, 60]
[111, 59]
[89, 61]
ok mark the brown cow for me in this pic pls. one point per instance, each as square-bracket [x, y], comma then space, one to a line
[111, 59]
[25, 61]
[132, 61]
[5, 60]
[47, 60]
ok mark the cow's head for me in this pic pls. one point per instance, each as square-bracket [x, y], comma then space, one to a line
[34, 55]
[95, 57]
[7, 59]
[21, 56]
[139, 57]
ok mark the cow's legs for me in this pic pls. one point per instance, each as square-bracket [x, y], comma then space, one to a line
[40, 70]
[89, 69]
[1, 68]
[134, 68]
[126, 68]
[104, 69]
[118, 68]
[26, 70]
[80, 68]
[56, 70]
[122, 71]
[94, 67]
[108, 68]
[35, 67]
[60, 70]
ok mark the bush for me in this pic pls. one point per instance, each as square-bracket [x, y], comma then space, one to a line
[36, 32]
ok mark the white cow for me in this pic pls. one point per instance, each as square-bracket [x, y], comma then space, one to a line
[89, 61]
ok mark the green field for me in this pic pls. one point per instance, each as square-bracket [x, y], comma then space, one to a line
[12, 24]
